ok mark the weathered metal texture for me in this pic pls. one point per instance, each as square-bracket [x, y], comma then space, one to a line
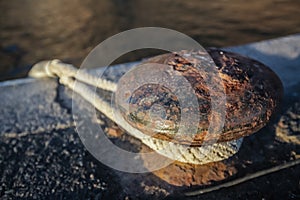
[253, 91]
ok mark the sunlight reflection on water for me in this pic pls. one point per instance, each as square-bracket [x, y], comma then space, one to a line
[32, 30]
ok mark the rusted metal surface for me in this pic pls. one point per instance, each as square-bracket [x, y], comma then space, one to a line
[253, 91]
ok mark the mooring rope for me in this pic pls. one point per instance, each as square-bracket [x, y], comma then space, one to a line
[68, 74]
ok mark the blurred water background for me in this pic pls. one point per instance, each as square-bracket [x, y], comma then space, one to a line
[33, 30]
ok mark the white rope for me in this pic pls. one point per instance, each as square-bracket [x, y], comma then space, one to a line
[57, 68]
[68, 75]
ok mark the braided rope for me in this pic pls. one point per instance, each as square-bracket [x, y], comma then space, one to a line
[67, 75]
